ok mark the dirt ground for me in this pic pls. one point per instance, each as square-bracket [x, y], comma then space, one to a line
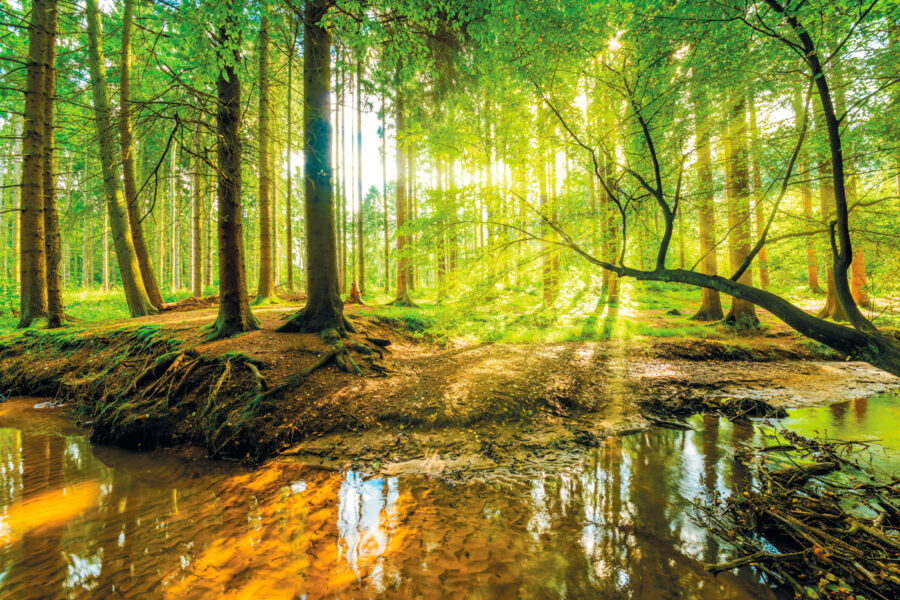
[454, 408]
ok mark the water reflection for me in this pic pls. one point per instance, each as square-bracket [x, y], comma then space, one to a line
[155, 527]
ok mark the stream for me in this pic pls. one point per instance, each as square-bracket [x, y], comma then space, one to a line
[84, 521]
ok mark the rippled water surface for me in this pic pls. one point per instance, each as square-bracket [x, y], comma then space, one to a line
[90, 522]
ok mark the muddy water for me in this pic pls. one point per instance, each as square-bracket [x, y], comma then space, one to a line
[78, 521]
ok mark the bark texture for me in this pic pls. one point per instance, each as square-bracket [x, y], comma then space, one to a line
[135, 293]
[266, 289]
[400, 191]
[55, 308]
[742, 313]
[129, 171]
[324, 309]
[234, 303]
[33, 259]
[711, 302]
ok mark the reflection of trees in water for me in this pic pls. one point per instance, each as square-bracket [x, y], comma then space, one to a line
[615, 528]
[710, 477]
[838, 412]
[860, 409]
[42, 568]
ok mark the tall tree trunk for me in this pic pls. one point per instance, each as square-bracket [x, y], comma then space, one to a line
[324, 309]
[384, 198]
[858, 287]
[135, 292]
[812, 262]
[742, 313]
[55, 309]
[400, 192]
[33, 258]
[341, 171]
[145, 263]
[173, 221]
[266, 289]
[207, 246]
[273, 178]
[104, 227]
[234, 303]
[359, 185]
[454, 230]
[547, 248]
[197, 224]
[411, 179]
[711, 302]
[763, 256]
[289, 148]
[832, 308]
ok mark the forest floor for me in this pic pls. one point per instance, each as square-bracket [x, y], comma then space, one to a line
[446, 406]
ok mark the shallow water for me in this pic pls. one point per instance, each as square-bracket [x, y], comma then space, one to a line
[95, 522]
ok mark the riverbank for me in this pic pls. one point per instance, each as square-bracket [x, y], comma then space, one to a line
[425, 405]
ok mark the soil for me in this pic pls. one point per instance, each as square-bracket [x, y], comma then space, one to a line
[444, 409]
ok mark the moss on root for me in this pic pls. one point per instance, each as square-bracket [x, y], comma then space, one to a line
[140, 387]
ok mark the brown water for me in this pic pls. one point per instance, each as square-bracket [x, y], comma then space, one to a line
[88, 522]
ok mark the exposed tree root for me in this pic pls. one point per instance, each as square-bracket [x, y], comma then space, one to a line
[338, 351]
[403, 301]
[706, 315]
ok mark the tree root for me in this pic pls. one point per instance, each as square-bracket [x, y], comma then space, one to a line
[338, 351]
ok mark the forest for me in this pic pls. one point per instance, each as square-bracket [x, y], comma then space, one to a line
[586, 264]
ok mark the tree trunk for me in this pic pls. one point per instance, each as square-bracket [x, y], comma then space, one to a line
[742, 313]
[234, 303]
[207, 246]
[384, 198]
[454, 230]
[341, 170]
[324, 309]
[546, 249]
[33, 258]
[711, 302]
[832, 308]
[104, 227]
[55, 308]
[359, 185]
[410, 215]
[266, 289]
[400, 191]
[763, 256]
[611, 242]
[173, 221]
[812, 263]
[197, 225]
[145, 263]
[135, 292]
[289, 199]
[858, 287]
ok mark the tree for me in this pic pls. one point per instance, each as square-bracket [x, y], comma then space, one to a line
[33, 261]
[711, 303]
[266, 290]
[56, 312]
[359, 184]
[234, 303]
[742, 313]
[400, 192]
[141, 250]
[324, 309]
[135, 292]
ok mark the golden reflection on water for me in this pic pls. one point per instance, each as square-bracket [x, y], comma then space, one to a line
[103, 523]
